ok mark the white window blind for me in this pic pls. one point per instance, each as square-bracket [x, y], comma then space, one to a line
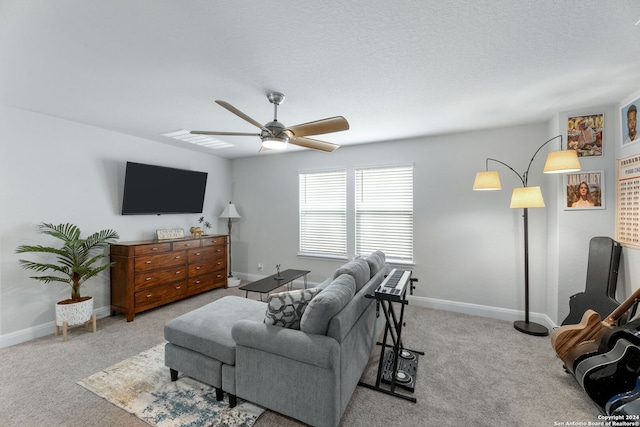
[384, 211]
[323, 213]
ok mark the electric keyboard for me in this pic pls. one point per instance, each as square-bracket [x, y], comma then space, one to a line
[393, 286]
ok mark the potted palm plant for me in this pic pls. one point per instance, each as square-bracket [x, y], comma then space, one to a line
[77, 261]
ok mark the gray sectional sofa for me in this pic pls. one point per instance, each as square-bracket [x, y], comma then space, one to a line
[301, 353]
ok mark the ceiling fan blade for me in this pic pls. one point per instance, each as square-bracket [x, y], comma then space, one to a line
[328, 125]
[206, 132]
[240, 114]
[314, 144]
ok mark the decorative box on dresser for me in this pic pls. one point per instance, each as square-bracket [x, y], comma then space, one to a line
[150, 273]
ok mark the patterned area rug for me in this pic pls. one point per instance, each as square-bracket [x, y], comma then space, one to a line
[142, 386]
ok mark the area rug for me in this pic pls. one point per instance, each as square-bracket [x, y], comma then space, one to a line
[142, 386]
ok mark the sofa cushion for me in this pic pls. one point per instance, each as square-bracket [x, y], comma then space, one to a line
[358, 269]
[207, 330]
[286, 308]
[327, 304]
[376, 261]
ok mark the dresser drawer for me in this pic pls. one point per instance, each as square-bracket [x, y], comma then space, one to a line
[155, 248]
[215, 279]
[200, 254]
[159, 295]
[200, 268]
[214, 241]
[152, 262]
[157, 277]
[187, 244]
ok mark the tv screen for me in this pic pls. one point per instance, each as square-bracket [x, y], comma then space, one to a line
[150, 189]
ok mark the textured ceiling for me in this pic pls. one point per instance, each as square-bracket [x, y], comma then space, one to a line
[393, 69]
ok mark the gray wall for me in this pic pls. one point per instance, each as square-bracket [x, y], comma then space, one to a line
[57, 171]
[468, 245]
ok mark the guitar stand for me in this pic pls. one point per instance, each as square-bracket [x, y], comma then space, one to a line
[397, 366]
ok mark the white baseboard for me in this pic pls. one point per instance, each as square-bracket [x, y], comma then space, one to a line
[454, 306]
[39, 331]
[437, 304]
[481, 310]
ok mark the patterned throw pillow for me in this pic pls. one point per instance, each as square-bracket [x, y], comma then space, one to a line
[286, 308]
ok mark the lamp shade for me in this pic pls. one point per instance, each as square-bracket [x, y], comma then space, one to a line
[527, 197]
[562, 161]
[489, 180]
[230, 211]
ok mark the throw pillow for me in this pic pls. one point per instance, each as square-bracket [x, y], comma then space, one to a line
[327, 304]
[376, 262]
[286, 308]
[358, 269]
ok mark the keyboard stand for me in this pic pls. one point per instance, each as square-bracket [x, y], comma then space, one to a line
[393, 330]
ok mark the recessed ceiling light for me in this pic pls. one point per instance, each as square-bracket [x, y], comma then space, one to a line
[202, 140]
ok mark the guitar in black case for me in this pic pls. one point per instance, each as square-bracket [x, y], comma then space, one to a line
[608, 374]
[619, 400]
[631, 409]
[602, 279]
[603, 342]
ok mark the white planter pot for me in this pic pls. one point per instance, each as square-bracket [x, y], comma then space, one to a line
[76, 313]
[232, 281]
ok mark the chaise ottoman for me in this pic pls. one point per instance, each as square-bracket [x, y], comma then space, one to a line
[200, 344]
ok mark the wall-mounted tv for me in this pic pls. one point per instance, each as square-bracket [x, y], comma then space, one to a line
[150, 189]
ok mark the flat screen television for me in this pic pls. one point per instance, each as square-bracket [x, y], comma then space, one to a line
[150, 189]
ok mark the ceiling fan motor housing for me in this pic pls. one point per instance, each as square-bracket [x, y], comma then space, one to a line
[277, 131]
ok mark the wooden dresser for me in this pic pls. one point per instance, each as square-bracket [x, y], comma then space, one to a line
[151, 273]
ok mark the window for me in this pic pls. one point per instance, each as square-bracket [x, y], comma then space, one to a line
[323, 213]
[384, 211]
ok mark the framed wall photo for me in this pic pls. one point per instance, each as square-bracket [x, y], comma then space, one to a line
[584, 190]
[629, 122]
[584, 134]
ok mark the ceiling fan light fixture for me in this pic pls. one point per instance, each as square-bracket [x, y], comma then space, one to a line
[274, 143]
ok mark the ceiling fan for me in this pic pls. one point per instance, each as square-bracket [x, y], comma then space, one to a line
[275, 136]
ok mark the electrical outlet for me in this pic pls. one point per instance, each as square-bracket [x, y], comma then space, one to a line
[260, 266]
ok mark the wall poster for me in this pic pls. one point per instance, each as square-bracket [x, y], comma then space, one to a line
[584, 190]
[628, 202]
[584, 134]
[629, 122]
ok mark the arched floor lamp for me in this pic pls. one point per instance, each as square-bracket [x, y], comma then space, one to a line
[524, 198]
[230, 212]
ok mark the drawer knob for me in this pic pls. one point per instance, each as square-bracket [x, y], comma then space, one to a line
[148, 262]
[177, 287]
[197, 253]
[178, 272]
[147, 279]
[149, 296]
[154, 249]
[197, 282]
[198, 268]
[178, 257]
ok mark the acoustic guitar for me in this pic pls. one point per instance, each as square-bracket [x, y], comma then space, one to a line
[610, 373]
[567, 337]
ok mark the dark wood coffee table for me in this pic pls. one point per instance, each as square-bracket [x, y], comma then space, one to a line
[266, 285]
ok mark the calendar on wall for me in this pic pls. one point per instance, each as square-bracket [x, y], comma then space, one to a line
[628, 202]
